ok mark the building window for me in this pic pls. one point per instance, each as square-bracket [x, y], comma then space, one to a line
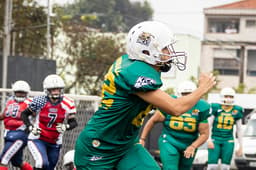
[251, 23]
[226, 53]
[251, 63]
[226, 66]
[221, 25]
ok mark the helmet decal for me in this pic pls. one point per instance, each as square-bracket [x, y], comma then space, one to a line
[144, 38]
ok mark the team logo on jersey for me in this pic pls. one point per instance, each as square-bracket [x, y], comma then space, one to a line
[143, 81]
[195, 112]
[95, 158]
[95, 143]
[144, 38]
[53, 110]
[234, 112]
[225, 114]
[219, 110]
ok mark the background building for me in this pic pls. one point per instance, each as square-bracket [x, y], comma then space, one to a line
[229, 44]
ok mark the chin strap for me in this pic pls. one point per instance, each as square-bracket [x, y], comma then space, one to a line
[166, 67]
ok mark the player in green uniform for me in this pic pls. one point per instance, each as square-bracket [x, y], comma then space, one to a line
[180, 135]
[130, 89]
[221, 143]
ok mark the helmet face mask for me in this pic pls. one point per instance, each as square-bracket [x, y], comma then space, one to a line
[227, 96]
[152, 42]
[53, 86]
[55, 93]
[20, 90]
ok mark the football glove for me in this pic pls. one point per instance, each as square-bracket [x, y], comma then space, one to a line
[61, 127]
[34, 130]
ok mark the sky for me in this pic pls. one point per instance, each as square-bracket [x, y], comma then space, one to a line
[182, 16]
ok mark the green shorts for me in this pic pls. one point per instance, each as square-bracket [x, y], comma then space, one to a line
[172, 156]
[222, 150]
[93, 154]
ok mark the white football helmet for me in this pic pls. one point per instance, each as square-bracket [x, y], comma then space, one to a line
[227, 96]
[185, 88]
[20, 86]
[68, 157]
[53, 81]
[145, 42]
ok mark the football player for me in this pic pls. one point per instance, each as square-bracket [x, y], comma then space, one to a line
[55, 113]
[129, 91]
[15, 138]
[222, 120]
[181, 135]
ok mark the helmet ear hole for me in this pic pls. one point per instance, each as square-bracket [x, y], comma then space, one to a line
[146, 52]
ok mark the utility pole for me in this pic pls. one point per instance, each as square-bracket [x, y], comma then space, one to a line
[6, 53]
[241, 69]
[48, 36]
[6, 40]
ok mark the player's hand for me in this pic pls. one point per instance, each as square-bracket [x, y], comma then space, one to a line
[239, 152]
[206, 82]
[189, 152]
[61, 127]
[210, 145]
[35, 130]
[142, 141]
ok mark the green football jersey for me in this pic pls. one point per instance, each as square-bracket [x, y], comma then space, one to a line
[183, 130]
[121, 113]
[222, 128]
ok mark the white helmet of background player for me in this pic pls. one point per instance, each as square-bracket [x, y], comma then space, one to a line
[21, 89]
[145, 42]
[68, 158]
[53, 81]
[186, 87]
[227, 96]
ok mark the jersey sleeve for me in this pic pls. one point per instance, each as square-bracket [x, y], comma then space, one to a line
[204, 108]
[37, 103]
[214, 109]
[238, 112]
[139, 77]
[69, 105]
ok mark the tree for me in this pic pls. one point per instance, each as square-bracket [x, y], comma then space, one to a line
[89, 55]
[28, 28]
[112, 15]
[90, 52]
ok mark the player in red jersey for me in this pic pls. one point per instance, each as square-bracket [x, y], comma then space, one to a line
[15, 139]
[55, 113]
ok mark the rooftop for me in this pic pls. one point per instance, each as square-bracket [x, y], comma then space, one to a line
[245, 4]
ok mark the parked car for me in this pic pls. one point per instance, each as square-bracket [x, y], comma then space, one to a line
[201, 158]
[248, 160]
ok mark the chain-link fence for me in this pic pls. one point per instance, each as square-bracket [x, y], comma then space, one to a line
[86, 105]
